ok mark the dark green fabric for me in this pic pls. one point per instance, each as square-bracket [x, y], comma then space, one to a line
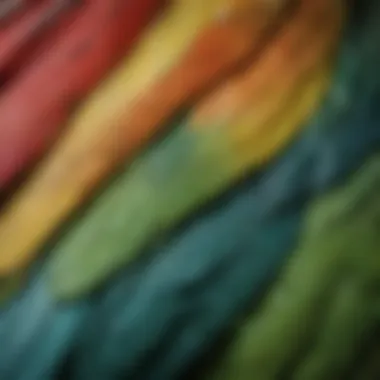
[326, 300]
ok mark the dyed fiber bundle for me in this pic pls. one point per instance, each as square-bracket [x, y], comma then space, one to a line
[206, 152]
[64, 72]
[338, 258]
[199, 263]
[114, 122]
